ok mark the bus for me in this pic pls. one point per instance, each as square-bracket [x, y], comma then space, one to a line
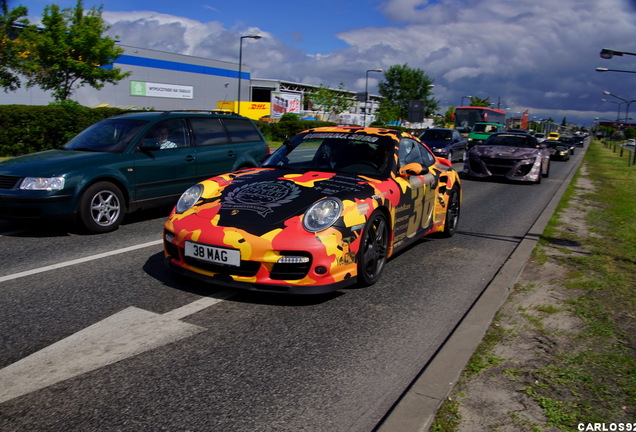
[466, 117]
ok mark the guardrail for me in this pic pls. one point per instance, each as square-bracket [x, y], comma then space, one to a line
[620, 148]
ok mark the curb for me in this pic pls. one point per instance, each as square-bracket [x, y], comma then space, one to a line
[416, 409]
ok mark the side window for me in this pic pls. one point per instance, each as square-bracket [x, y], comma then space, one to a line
[409, 152]
[208, 131]
[241, 130]
[428, 158]
[167, 134]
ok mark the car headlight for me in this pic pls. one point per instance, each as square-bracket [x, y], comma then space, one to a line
[189, 198]
[322, 214]
[42, 183]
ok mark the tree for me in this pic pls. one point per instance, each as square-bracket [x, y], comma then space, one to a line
[332, 101]
[480, 102]
[403, 84]
[70, 51]
[11, 47]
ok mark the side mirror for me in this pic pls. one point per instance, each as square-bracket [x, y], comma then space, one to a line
[413, 168]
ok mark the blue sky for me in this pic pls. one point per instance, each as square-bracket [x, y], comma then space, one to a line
[535, 55]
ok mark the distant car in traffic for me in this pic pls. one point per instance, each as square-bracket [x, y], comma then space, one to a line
[514, 156]
[127, 162]
[446, 143]
[325, 211]
[570, 141]
[481, 131]
[540, 136]
[554, 136]
[558, 150]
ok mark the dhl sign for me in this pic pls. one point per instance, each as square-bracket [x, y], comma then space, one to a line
[253, 110]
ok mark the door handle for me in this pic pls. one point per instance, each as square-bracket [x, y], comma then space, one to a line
[190, 158]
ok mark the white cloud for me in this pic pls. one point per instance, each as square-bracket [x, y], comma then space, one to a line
[540, 54]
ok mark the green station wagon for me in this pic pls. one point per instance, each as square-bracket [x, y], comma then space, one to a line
[126, 163]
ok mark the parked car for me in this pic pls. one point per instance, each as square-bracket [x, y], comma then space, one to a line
[446, 143]
[515, 156]
[558, 150]
[326, 210]
[127, 162]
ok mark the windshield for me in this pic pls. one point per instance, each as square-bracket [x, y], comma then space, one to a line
[436, 135]
[510, 141]
[336, 152]
[110, 135]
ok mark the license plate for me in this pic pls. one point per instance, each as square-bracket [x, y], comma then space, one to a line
[213, 254]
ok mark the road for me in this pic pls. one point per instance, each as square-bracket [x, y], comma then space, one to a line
[97, 335]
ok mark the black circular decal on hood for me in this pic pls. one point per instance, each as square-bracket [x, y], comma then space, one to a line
[261, 197]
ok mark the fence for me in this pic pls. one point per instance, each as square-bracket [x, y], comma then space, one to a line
[620, 148]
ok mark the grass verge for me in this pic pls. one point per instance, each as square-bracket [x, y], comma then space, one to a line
[591, 378]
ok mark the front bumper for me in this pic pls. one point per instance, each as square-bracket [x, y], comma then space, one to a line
[512, 169]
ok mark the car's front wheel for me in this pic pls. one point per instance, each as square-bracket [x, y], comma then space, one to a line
[101, 208]
[373, 249]
[452, 213]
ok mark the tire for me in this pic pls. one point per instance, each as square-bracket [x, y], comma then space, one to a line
[101, 208]
[453, 208]
[540, 176]
[374, 248]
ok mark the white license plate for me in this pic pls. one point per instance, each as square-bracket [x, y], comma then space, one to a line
[213, 254]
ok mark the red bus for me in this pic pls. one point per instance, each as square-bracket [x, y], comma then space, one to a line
[466, 117]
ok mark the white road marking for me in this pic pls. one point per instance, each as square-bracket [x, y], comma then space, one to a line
[127, 333]
[78, 261]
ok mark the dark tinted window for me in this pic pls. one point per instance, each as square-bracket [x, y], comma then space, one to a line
[208, 131]
[110, 135]
[241, 130]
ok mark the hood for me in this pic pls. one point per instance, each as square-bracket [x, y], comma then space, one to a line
[268, 197]
[505, 152]
[51, 163]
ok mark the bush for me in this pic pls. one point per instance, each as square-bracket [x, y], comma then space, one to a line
[28, 129]
[33, 128]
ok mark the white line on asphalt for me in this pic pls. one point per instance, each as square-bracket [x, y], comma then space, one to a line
[125, 334]
[77, 261]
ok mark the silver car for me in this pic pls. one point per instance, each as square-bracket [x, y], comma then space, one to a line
[514, 156]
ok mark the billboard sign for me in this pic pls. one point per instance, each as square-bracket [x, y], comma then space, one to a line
[141, 88]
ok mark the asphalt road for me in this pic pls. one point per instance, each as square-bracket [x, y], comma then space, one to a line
[97, 337]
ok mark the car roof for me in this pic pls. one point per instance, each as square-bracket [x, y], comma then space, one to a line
[153, 115]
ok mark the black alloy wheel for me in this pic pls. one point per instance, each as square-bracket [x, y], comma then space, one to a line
[373, 249]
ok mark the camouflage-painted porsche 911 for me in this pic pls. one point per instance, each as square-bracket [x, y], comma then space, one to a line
[324, 211]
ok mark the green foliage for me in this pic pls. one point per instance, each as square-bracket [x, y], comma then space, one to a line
[288, 116]
[630, 133]
[480, 102]
[402, 84]
[27, 129]
[333, 102]
[70, 51]
[11, 48]
[286, 129]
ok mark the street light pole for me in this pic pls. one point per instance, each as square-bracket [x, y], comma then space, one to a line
[464, 97]
[238, 99]
[366, 96]
[618, 113]
[599, 69]
[608, 53]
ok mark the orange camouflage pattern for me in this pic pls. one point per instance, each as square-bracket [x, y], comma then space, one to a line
[414, 205]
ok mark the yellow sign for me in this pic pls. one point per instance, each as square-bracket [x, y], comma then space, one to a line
[253, 110]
